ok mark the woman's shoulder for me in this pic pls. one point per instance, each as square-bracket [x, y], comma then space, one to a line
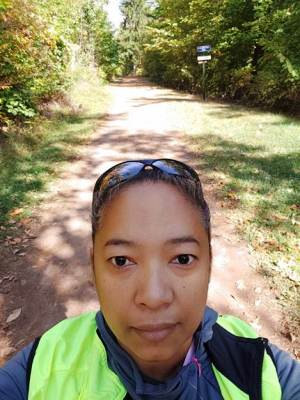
[288, 371]
[13, 376]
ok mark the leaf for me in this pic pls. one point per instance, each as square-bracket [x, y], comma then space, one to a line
[295, 207]
[16, 241]
[14, 315]
[16, 211]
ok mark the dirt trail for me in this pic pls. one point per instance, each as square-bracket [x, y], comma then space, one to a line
[52, 281]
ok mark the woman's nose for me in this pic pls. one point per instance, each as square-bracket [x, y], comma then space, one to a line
[154, 289]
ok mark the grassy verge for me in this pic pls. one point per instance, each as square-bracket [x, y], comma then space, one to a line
[253, 159]
[32, 156]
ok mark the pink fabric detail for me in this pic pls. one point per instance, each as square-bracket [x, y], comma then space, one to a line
[190, 357]
[190, 354]
[196, 361]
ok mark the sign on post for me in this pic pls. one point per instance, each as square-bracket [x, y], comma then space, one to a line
[205, 48]
[204, 58]
[203, 55]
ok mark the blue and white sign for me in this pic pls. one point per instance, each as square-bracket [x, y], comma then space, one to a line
[205, 48]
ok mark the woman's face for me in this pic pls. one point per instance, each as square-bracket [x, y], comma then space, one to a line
[152, 267]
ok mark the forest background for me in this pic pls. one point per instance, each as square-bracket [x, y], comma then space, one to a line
[255, 56]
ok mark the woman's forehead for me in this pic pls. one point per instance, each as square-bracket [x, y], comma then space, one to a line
[145, 197]
[156, 209]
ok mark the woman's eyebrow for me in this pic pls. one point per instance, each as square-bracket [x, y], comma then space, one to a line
[178, 240]
[119, 242]
[183, 239]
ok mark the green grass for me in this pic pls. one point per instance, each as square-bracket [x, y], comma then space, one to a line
[255, 158]
[32, 156]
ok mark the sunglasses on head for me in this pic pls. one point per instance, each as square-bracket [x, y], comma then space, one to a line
[127, 170]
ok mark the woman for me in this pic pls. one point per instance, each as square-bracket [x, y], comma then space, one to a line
[154, 337]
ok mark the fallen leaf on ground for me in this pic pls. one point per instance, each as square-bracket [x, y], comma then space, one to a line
[25, 221]
[16, 211]
[231, 195]
[14, 315]
[16, 251]
[5, 278]
[16, 240]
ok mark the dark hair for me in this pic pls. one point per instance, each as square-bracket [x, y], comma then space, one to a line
[191, 189]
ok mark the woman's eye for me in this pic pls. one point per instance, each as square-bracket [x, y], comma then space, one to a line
[120, 261]
[184, 259]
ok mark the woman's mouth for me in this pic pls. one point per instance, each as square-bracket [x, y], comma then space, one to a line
[155, 332]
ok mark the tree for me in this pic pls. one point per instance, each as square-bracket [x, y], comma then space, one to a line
[36, 42]
[132, 33]
[256, 48]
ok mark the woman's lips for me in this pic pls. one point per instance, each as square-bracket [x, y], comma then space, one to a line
[155, 333]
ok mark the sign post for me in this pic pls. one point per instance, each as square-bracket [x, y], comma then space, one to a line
[203, 56]
[204, 81]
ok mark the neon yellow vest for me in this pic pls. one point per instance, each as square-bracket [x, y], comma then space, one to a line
[70, 363]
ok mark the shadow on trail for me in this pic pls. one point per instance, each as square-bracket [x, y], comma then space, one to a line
[163, 99]
[132, 81]
[249, 169]
[230, 111]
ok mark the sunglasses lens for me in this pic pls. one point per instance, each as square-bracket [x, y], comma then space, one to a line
[175, 168]
[120, 174]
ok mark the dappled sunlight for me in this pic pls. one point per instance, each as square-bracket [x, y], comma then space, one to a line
[75, 307]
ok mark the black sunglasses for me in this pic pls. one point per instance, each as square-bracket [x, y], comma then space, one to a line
[127, 170]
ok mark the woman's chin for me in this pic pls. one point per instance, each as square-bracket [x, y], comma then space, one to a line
[153, 354]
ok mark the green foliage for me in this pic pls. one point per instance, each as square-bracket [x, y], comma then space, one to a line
[15, 105]
[256, 48]
[32, 59]
[40, 42]
[132, 33]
